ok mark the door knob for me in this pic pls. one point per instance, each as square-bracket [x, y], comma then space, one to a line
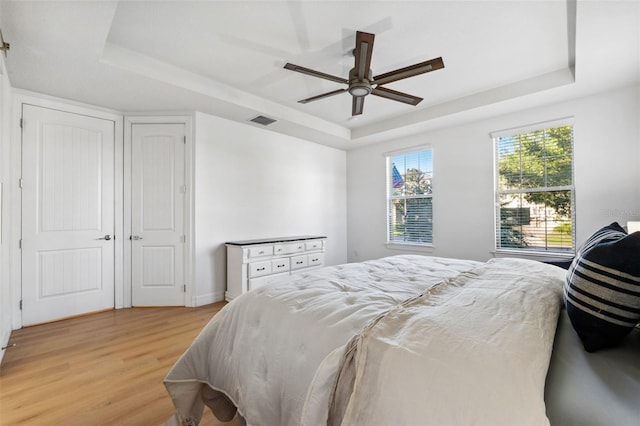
[106, 237]
[136, 237]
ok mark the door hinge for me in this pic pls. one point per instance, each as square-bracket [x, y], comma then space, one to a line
[184, 288]
[184, 140]
[20, 244]
[20, 304]
[183, 189]
[21, 123]
[183, 239]
[20, 183]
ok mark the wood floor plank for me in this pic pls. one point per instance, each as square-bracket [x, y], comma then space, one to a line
[101, 369]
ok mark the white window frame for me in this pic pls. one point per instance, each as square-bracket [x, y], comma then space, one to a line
[394, 244]
[534, 252]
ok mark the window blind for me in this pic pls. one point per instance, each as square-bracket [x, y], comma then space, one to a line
[535, 207]
[410, 201]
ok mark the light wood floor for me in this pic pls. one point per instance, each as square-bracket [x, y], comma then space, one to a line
[100, 369]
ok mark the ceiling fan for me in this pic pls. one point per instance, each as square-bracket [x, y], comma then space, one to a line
[361, 83]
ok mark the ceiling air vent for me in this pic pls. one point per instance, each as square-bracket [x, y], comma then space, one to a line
[261, 119]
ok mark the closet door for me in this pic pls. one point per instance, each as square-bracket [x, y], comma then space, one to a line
[157, 214]
[67, 214]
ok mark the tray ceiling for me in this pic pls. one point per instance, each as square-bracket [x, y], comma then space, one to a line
[227, 58]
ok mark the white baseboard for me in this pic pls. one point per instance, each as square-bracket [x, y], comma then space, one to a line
[207, 299]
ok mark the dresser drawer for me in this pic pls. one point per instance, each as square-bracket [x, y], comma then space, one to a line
[280, 265]
[258, 269]
[288, 248]
[313, 245]
[259, 251]
[316, 259]
[298, 262]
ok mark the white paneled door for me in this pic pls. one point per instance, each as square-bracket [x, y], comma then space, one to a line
[157, 214]
[68, 214]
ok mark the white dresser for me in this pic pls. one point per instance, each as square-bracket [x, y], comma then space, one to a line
[254, 263]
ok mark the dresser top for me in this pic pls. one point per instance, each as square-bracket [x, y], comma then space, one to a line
[273, 240]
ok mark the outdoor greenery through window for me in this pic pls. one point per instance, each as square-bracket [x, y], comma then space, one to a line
[410, 206]
[535, 192]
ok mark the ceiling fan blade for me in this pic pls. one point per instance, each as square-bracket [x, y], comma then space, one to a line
[362, 52]
[358, 105]
[314, 73]
[324, 95]
[410, 71]
[383, 92]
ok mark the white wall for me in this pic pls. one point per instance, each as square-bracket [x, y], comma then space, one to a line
[253, 183]
[607, 176]
[5, 202]
[249, 183]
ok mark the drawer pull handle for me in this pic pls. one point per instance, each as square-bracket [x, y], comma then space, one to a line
[299, 262]
[260, 269]
[281, 266]
[314, 260]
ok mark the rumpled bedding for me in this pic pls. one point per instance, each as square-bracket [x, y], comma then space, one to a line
[474, 349]
[263, 349]
[275, 352]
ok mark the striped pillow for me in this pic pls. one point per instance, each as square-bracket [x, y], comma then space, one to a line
[602, 289]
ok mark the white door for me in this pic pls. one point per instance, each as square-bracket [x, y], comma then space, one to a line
[67, 214]
[157, 214]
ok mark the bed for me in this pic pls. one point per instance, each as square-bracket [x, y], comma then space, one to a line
[405, 340]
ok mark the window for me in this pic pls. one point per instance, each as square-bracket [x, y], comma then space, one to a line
[534, 189]
[410, 205]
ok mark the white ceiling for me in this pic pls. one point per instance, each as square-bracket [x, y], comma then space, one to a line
[227, 58]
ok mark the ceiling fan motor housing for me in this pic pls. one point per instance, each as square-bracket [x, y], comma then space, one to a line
[357, 86]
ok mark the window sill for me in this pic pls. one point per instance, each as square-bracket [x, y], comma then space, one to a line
[427, 248]
[541, 256]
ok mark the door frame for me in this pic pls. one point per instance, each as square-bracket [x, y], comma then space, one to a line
[186, 120]
[24, 97]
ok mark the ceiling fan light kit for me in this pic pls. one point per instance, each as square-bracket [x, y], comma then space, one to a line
[359, 89]
[361, 83]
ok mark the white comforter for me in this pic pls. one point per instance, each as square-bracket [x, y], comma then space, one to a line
[275, 352]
